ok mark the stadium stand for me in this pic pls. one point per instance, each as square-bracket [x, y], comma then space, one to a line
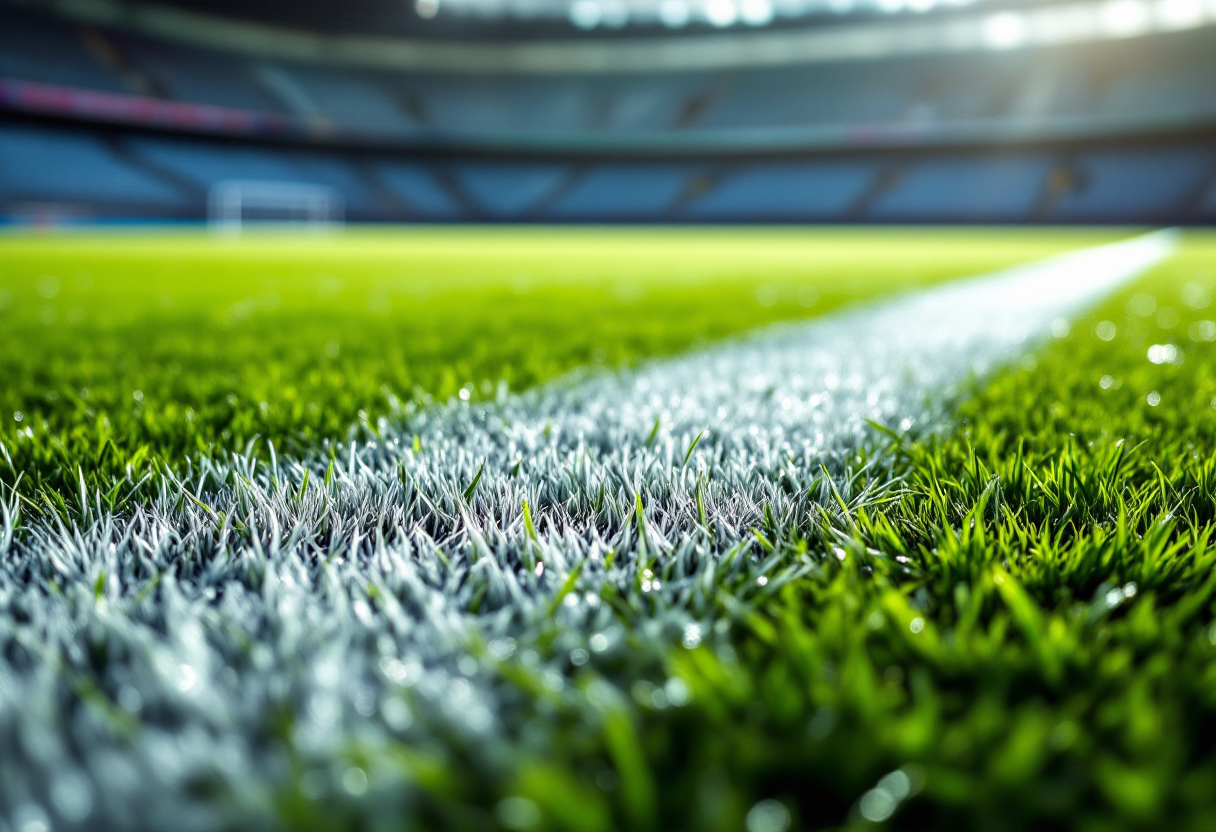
[38, 48]
[200, 76]
[1123, 185]
[40, 167]
[206, 165]
[996, 189]
[508, 191]
[416, 189]
[358, 101]
[624, 192]
[786, 192]
[1114, 130]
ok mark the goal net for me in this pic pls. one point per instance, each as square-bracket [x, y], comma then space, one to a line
[234, 204]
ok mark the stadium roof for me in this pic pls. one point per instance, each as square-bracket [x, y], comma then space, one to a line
[985, 27]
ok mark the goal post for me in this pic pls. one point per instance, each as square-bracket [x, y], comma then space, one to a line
[234, 204]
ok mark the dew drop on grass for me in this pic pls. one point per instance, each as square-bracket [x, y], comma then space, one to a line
[692, 635]
[877, 805]
[917, 625]
[1153, 399]
[72, 796]
[31, 818]
[1163, 354]
[185, 677]
[1141, 305]
[1202, 331]
[1106, 330]
[768, 816]
[677, 692]
[896, 784]
[1195, 296]
[1106, 382]
[354, 780]
[518, 813]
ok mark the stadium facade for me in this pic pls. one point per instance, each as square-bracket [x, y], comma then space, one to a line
[1076, 112]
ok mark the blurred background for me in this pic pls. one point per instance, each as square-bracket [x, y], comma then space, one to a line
[639, 111]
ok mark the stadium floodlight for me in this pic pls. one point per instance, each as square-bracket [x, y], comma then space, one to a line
[1125, 18]
[721, 13]
[233, 204]
[1180, 14]
[586, 14]
[1005, 30]
[756, 12]
[674, 13]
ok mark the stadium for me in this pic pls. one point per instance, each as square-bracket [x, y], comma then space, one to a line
[603, 415]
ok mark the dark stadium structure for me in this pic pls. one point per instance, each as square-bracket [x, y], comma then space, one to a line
[986, 113]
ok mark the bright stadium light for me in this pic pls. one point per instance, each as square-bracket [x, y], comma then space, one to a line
[1006, 30]
[721, 13]
[1180, 14]
[586, 14]
[1125, 18]
[756, 12]
[674, 14]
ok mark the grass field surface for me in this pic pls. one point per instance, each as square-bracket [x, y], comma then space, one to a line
[125, 350]
[703, 594]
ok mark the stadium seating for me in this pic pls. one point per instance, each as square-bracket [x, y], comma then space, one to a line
[991, 189]
[835, 126]
[1133, 81]
[1207, 206]
[206, 164]
[355, 101]
[807, 96]
[623, 192]
[509, 191]
[415, 186]
[786, 191]
[201, 76]
[34, 47]
[496, 105]
[1124, 185]
[39, 165]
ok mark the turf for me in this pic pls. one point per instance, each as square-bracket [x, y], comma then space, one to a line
[123, 351]
[1017, 632]
[1025, 639]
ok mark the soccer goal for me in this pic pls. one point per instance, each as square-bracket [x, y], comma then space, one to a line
[235, 204]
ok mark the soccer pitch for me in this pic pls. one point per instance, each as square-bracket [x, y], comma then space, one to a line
[528, 529]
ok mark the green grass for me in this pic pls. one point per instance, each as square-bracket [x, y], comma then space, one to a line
[120, 352]
[1023, 638]
[1028, 633]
